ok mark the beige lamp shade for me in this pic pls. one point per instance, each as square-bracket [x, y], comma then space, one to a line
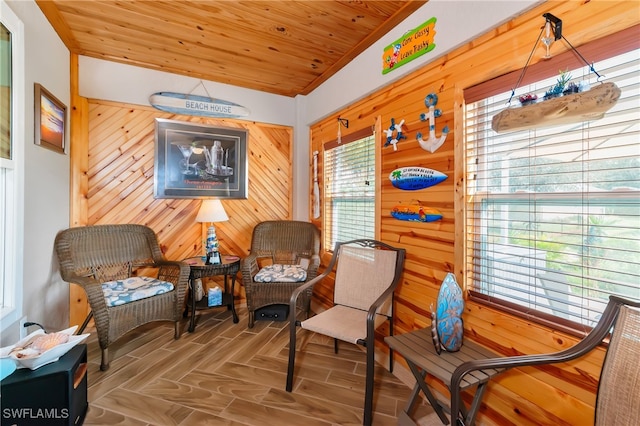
[211, 211]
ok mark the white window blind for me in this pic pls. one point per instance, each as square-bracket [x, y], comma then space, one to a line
[349, 190]
[553, 213]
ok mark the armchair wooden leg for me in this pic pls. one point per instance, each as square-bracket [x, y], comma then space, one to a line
[252, 317]
[176, 334]
[104, 364]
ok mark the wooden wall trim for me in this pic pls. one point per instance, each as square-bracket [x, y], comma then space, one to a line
[78, 146]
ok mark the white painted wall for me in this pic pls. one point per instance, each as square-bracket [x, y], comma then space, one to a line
[46, 181]
[117, 82]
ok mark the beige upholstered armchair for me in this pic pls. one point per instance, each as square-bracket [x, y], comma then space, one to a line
[618, 396]
[294, 244]
[126, 277]
[367, 273]
[470, 370]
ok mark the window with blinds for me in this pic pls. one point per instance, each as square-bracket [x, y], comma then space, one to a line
[349, 189]
[553, 213]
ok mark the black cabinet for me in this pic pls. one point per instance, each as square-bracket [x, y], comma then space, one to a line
[54, 394]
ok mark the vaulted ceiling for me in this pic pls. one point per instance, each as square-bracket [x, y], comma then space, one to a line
[282, 47]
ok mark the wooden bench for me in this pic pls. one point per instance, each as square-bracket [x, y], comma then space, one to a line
[418, 350]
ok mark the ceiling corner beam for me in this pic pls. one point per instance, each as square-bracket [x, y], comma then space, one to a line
[50, 11]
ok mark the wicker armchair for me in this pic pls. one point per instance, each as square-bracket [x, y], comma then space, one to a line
[93, 255]
[280, 242]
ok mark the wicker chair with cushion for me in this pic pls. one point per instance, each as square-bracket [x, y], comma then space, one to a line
[126, 277]
[286, 253]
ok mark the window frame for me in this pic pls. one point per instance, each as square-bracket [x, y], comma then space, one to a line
[601, 49]
[328, 232]
[13, 177]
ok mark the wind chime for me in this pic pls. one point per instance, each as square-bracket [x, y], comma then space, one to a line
[316, 187]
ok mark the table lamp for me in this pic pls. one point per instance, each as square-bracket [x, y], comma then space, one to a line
[212, 211]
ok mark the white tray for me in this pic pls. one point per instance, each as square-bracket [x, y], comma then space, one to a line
[46, 357]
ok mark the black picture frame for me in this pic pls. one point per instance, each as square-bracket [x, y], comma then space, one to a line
[207, 169]
[50, 120]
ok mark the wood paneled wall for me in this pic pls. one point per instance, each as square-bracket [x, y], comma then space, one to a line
[551, 395]
[113, 171]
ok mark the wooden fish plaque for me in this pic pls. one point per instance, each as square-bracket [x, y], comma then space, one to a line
[414, 178]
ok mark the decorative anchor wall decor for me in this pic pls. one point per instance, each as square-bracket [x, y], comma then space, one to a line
[397, 128]
[433, 143]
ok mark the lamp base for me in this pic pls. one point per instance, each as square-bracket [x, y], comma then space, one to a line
[213, 258]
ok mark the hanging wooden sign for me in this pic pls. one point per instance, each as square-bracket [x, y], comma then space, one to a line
[415, 213]
[410, 46]
[583, 106]
[186, 104]
[414, 178]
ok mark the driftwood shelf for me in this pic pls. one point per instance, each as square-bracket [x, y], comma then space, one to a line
[584, 106]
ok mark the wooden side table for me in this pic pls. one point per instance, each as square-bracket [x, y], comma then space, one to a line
[229, 267]
[417, 349]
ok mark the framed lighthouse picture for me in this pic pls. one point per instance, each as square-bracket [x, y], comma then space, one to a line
[195, 160]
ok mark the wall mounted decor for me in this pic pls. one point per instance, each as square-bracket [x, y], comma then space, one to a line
[564, 102]
[411, 45]
[187, 104]
[200, 161]
[571, 108]
[415, 213]
[316, 187]
[414, 178]
[394, 139]
[433, 143]
[450, 305]
[50, 116]
[341, 122]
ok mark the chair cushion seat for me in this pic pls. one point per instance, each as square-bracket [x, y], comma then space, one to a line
[131, 289]
[277, 273]
[342, 322]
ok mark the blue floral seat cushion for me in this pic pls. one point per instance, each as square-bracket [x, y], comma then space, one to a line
[277, 273]
[131, 289]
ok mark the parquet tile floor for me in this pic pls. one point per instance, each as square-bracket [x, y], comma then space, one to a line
[227, 374]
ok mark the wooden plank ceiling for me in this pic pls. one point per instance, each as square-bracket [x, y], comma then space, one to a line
[282, 47]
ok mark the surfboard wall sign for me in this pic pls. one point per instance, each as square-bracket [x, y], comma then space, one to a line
[180, 103]
[415, 213]
[414, 178]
